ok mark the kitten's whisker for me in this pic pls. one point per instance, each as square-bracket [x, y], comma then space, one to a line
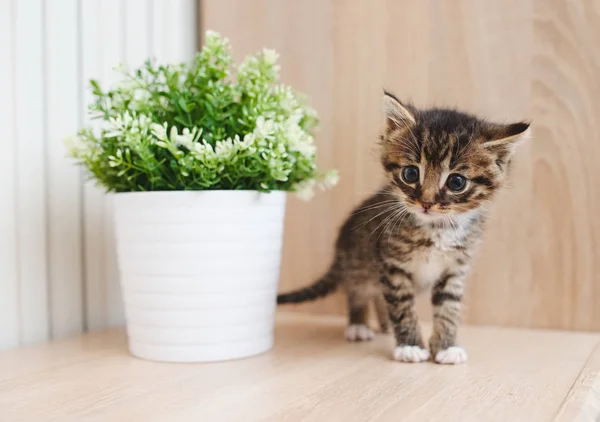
[390, 223]
[401, 215]
[386, 227]
[384, 221]
[455, 225]
[390, 208]
[397, 217]
[374, 206]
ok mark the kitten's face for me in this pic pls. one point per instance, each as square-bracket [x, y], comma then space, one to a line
[444, 164]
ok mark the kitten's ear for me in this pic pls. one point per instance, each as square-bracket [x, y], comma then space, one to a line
[504, 139]
[397, 114]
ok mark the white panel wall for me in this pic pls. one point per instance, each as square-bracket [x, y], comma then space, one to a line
[58, 271]
[9, 268]
[63, 184]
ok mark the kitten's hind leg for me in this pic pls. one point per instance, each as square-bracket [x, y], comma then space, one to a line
[382, 314]
[357, 329]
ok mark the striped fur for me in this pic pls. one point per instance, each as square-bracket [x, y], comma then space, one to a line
[418, 235]
[322, 287]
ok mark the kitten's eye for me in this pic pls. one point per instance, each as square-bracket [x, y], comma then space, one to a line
[456, 182]
[410, 174]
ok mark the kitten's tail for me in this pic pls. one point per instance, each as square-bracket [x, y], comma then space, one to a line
[321, 288]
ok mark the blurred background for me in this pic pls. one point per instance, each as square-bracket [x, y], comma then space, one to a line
[535, 60]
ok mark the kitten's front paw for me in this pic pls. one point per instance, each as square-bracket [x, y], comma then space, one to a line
[358, 332]
[411, 354]
[451, 356]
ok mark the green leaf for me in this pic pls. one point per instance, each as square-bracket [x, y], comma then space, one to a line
[183, 105]
[181, 120]
[202, 95]
[95, 87]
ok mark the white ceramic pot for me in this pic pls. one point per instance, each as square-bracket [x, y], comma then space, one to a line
[199, 272]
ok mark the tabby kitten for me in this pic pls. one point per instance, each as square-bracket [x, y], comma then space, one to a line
[422, 229]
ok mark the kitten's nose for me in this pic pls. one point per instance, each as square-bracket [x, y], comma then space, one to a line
[426, 205]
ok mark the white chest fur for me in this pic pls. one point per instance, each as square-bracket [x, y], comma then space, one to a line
[428, 264]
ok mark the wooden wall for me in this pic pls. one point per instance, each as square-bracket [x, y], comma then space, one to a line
[514, 59]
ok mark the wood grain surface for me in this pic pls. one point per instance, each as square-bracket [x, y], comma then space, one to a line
[515, 59]
[312, 374]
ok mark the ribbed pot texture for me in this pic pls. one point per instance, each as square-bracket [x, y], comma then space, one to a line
[199, 272]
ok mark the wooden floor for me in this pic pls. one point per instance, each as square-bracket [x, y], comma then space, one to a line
[311, 375]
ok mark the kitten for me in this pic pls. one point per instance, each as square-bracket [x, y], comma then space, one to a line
[422, 229]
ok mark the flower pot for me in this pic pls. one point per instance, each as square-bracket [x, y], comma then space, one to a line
[199, 272]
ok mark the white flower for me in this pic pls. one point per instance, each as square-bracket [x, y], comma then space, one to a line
[212, 35]
[306, 149]
[295, 117]
[115, 128]
[331, 179]
[305, 190]
[248, 141]
[299, 141]
[159, 131]
[143, 122]
[264, 128]
[79, 147]
[120, 124]
[71, 142]
[224, 149]
[120, 68]
[270, 56]
[141, 95]
[127, 86]
[187, 138]
[173, 133]
[203, 151]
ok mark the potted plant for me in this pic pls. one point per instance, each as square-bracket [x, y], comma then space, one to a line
[199, 160]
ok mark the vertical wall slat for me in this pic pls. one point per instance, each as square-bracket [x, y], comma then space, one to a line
[9, 293]
[174, 29]
[31, 201]
[112, 52]
[160, 35]
[93, 198]
[137, 28]
[64, 213]
[180, 24]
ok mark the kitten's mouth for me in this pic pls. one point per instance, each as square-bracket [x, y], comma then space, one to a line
[418, 210]
[427, 213]
[433, 215]
[427, 208]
